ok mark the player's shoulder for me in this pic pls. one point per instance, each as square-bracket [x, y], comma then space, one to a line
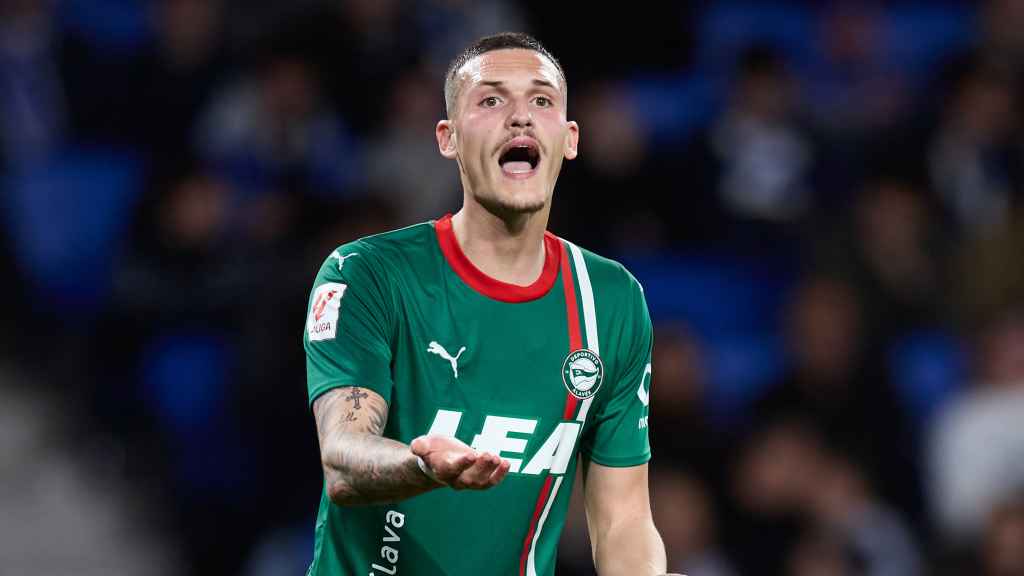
[400, 240]
[605, 273]
[383, 253]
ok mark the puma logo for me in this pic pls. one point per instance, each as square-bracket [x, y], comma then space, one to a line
[436, 348]
[341, 259]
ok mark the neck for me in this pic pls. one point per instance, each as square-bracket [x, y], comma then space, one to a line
[509, 250]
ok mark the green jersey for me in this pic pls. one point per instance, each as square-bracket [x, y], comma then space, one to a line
[536, 374]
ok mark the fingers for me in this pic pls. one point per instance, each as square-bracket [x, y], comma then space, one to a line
[499, 474]
[442, 455]
[423, 445]
[459, 466]
[487, 471]
[457, 463]
[448, 466]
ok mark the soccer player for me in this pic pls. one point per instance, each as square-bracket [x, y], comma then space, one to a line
[460, 369]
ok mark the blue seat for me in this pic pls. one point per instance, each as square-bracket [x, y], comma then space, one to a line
[742, 366]
[186, 378]
[66, 219]
[672, 108]
[714, 294]
[109, 25]
[732, 307]
[727, 28]
[926, 369]
[920, 36]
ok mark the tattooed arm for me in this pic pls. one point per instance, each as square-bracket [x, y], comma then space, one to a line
[362, 467]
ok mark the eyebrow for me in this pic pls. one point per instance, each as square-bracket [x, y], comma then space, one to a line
[500, 84]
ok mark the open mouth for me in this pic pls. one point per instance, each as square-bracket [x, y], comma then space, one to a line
[520, 157]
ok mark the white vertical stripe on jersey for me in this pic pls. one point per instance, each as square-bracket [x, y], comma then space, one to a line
[531, 568]
[589, 314]
[587, 292]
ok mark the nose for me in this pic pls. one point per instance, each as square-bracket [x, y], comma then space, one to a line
[520, 116]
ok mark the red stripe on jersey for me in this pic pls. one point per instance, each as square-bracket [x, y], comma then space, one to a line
[533, 524]
[572, 314]
[490, 287]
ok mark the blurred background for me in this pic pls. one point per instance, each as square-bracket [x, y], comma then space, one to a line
[822, 200]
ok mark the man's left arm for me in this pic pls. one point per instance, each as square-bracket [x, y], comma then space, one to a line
[616, 449]
[622, 533]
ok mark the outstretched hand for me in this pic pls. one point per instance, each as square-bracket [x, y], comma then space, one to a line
[455, 464]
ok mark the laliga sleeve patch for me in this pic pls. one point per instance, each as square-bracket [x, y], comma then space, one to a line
[322, 323]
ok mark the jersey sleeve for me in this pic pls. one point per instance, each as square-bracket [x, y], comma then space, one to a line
[618, 433]
[348, 325]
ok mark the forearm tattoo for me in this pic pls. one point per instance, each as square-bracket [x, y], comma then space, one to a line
[360, 466]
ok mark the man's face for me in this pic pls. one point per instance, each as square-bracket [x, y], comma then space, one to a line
[509, 131]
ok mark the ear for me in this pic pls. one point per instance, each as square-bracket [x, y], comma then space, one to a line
[445, 132]
[572, 141]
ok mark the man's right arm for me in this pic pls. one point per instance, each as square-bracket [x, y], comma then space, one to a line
[361, 467]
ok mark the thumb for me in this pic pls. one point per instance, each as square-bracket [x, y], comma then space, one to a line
[420, 446]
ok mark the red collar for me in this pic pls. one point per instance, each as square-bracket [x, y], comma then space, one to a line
[488, 286]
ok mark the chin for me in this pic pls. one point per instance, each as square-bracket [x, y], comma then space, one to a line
[514, 204]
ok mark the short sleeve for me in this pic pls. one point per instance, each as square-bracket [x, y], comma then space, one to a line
[348, 325]
[618, 433]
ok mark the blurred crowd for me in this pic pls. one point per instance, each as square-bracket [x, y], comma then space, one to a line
[822, 201]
